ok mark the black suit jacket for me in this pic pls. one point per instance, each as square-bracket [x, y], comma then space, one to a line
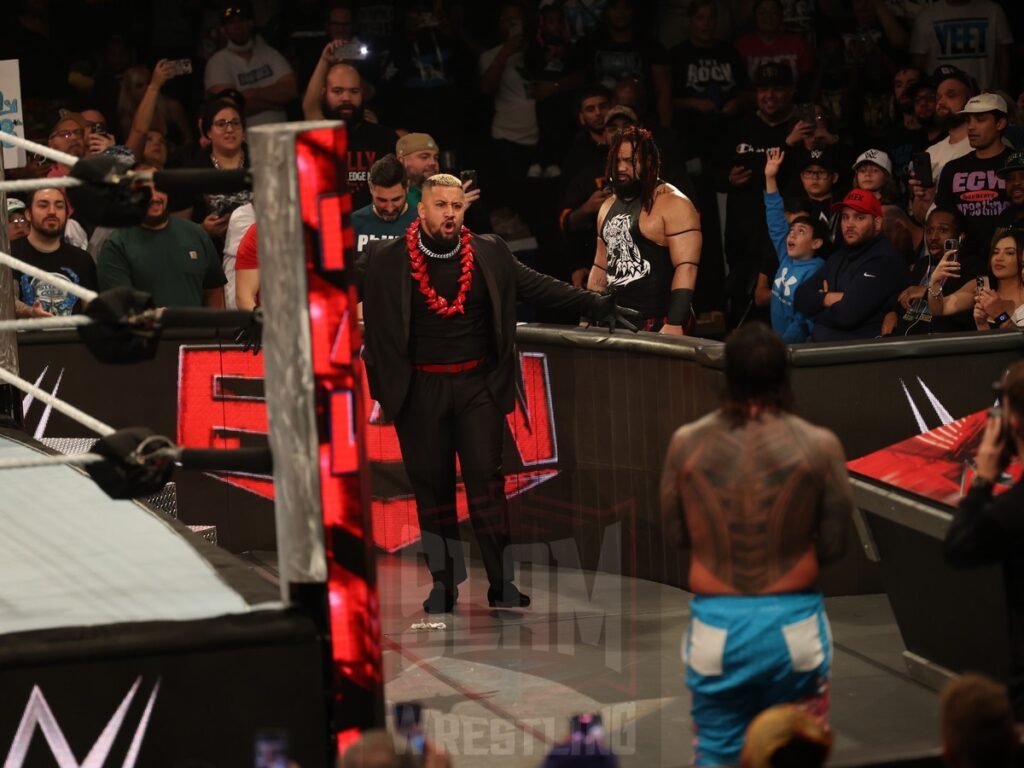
[386, 289]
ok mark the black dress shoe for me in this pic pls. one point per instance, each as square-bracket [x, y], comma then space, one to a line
[507, 596]
[441, 599]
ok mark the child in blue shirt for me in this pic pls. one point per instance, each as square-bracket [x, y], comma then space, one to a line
[797, 243]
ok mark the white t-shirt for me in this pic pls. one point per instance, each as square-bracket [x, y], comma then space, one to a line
[515, 110]
[943, 151]
[264, 67]
[965, 36]
[241, 219]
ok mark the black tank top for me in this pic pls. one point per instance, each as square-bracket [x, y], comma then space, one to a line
[639, 270]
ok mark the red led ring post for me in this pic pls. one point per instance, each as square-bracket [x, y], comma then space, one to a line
[317, 406]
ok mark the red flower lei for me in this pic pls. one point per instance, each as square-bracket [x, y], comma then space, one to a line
[439, 304]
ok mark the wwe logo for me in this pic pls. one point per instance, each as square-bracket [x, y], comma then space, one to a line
[38, 712]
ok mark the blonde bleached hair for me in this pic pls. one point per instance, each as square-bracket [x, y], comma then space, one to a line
[441, 180]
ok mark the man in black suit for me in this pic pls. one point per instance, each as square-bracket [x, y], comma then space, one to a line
[439, 309]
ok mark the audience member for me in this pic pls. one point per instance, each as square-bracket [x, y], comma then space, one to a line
[67, 135]
[515, 134]
[818, 177]
[17, 224]
[389, 214]
[978, 728]
[986, 531]
[619, 48]
[418, 153]
[708, 79]
[550, 65]
[44, 247]
[750, 589]
[1012, 173]
[649, 238]
[971, 184]
[242, 219]
[797, 244]
[914, 315]
[335, 92]
[993, 304]
[590, 144]
[973, 33]
[872, 172]
[247, 63]
[770, 43]
[585, 194]
[786, 736]
[223, 125]
[849, 297]
[143, 108]
[741, 175]
[247, 270]
[169, 257]
[953, 89]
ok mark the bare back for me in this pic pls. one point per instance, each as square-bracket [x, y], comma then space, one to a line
[760, 504]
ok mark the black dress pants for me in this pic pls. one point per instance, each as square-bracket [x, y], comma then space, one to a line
[447, 415]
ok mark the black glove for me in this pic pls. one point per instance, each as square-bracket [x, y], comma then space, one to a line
[129, 471]
[605, 311]
[251, 336]
[110, 338]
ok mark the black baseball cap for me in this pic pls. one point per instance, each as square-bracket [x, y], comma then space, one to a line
[235, 9]
[773, 74]
[949, 72]
[1014, 162]
[822, 157]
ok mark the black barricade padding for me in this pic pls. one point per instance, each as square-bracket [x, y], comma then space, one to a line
[609, 403]
[120, 477]
[205, 317]
[250, 461]
[112, 341]
[101, 199]
[206, 180]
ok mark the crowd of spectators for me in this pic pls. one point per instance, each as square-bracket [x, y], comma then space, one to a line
[856, 165]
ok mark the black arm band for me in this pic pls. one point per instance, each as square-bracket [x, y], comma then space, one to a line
[684, 231]
[679, 306]
[684, 263]
[598, 266]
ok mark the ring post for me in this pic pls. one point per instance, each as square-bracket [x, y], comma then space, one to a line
[315, 404]
[10, 399]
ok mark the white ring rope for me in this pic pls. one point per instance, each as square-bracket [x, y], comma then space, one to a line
[47, 277]
[26, 185]
[45, 323]
[40, 149]
[74, 459]
[67, 409]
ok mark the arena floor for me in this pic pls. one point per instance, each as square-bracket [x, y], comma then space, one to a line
[498, 687]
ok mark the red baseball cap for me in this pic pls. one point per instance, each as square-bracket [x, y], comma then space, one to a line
[861, 201]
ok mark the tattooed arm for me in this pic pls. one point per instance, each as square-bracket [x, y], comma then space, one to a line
[836, 501]
[671, 502]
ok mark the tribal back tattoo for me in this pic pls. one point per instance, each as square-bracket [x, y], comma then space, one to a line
[756, 501]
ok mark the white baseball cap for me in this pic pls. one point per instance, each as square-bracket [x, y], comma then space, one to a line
[984, 102]
[14, 204]
[876, 156]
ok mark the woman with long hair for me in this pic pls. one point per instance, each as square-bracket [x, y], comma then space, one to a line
[995, 298]
[223, 124]
[141, 107]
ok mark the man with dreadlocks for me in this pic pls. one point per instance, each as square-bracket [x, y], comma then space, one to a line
[761, 499]
[439, 307]
[649, 238]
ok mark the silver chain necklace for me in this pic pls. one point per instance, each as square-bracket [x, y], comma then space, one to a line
[427, 252]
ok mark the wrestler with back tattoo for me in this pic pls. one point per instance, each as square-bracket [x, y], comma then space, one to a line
[761, 499]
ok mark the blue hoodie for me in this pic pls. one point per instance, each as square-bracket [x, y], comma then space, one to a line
[791, 325]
